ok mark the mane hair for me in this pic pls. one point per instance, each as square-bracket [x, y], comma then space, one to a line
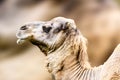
[70, 61]
[83, 56]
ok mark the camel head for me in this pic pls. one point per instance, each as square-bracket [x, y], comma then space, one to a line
[49, 35]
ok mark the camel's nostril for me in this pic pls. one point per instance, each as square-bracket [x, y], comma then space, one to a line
[23, 28]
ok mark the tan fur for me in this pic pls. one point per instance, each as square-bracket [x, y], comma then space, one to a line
[67, 48]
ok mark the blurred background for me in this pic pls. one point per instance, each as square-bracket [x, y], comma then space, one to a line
[98, 20]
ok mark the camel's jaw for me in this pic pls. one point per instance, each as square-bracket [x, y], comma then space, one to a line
[44, 47]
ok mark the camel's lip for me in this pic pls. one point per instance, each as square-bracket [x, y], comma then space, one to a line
[21, 38]
[21, 41]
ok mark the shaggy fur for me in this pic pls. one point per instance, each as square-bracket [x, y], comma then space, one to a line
[66, 51]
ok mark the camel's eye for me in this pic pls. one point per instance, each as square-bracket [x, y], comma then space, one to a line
[46, 29]
[58, 29]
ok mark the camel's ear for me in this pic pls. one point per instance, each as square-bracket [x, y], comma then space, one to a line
[69, 24]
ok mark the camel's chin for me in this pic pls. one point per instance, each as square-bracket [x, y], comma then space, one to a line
[21, 41]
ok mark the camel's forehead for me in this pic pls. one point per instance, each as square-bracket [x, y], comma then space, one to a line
[55, 22]
[45, 23]
[61, 20]
[35, 23]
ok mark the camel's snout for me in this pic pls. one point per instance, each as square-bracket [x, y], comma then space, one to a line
[23, 34]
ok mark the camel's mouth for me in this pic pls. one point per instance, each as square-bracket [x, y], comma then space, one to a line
[21, 40]
[22, 36]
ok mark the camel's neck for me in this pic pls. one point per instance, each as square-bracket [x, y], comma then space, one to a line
[77, 72]
[74, 70]
[71, 69]
[71, 58]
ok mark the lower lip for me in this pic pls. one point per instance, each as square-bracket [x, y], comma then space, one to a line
[20, 41]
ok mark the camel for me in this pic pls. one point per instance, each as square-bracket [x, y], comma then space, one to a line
[66, 50]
